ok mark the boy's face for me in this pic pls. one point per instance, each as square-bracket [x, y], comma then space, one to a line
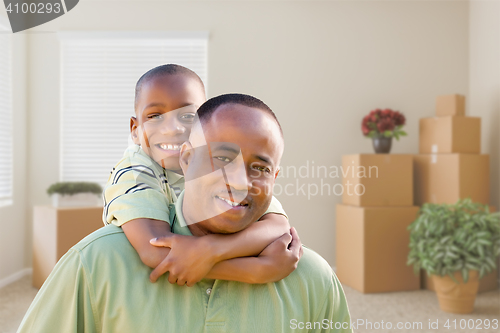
[165, 112]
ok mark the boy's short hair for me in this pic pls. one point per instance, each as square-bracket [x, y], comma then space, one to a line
[164, 70]
[208, 108]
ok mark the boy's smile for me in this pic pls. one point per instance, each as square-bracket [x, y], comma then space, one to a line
[164, 115]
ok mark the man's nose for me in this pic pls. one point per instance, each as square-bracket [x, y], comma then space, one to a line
[237, 177]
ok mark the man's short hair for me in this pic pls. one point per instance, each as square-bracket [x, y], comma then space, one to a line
[164, 70]
[207, 109]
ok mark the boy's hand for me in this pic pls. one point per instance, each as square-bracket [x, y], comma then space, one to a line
[190, 259]
[280, 258]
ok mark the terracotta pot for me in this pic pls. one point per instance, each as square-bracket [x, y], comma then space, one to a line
[382, 145]
[456, 298]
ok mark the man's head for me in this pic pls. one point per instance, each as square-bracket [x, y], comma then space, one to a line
[166, 99]
[230, 163]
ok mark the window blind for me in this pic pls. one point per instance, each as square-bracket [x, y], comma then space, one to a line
[6, 132]
[98, 76]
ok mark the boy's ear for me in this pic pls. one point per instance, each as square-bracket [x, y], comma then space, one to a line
[277, 172]
[185, 156]
[134, 125]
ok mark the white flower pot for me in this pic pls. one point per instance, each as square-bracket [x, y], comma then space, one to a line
[76, 200]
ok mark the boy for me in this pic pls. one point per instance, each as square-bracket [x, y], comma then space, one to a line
[149, 178]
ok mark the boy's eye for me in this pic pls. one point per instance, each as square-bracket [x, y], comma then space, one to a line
[223, 159]
[187, 117]
[155, 116]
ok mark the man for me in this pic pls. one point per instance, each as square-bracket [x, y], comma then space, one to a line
[230, 164]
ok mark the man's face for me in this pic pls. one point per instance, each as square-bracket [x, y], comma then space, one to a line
[230, 167]
[165, 112]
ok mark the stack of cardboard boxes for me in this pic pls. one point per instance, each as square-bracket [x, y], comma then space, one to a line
[372, 237]
[450, 165]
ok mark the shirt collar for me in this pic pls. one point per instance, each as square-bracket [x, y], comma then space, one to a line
[179, 225]
[173, 177]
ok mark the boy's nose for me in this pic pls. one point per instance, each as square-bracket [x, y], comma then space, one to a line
[171, 125]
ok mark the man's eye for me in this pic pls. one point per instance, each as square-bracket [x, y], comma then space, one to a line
[154, 116]
[262, 169]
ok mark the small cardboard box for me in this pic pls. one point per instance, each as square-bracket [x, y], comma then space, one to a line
[377, 180]
[446, 178]
[451, 134]
[450, 105]
[372, 248]
[55, 231]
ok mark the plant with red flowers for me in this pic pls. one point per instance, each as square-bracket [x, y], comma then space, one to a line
[383, 123]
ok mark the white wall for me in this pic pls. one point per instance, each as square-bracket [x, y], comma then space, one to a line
[13, 237]
[320, 65]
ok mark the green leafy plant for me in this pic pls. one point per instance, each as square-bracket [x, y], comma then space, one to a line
[68, 188]
[446, 238]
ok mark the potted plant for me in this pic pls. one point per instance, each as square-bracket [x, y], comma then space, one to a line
[457, 245]
[75, 194]
[381, 126]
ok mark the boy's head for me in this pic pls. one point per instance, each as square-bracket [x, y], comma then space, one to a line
[166, 100]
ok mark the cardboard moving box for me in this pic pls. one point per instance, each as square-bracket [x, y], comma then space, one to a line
[372, 248]
[377, 180]
[446, 178]
[452, 134]
[55, 231]
[450, 105]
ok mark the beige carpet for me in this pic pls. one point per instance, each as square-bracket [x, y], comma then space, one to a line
[407, 308]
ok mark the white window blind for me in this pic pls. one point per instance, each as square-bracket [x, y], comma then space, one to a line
[98, 76]
[6, 132]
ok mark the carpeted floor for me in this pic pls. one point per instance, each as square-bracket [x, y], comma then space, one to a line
[378, 310]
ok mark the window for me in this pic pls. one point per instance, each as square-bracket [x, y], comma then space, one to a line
[6, 133]
[98, 76]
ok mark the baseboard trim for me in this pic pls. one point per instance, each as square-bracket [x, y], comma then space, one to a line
[14, 277]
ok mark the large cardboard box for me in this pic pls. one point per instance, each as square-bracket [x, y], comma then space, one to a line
[450, 105]
[377, 180]
[372, 248]
[55, 231]
[446, 178]
[452, 134]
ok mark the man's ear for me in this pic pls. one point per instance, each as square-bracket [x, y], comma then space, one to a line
[277, 172]
[134, 125]
[185, 156]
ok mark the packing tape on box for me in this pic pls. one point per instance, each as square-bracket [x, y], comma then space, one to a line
[434, 148]
[434, 158]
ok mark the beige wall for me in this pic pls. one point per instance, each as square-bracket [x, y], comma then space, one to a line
[484, 82]
[13, 226]
[320, 65]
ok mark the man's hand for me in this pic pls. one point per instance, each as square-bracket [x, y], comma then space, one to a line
[189, 260]
[280, 258]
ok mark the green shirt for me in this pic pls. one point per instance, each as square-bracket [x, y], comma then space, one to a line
[95, 288]
[138, 187]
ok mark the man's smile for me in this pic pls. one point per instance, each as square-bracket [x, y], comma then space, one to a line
[232, 204]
